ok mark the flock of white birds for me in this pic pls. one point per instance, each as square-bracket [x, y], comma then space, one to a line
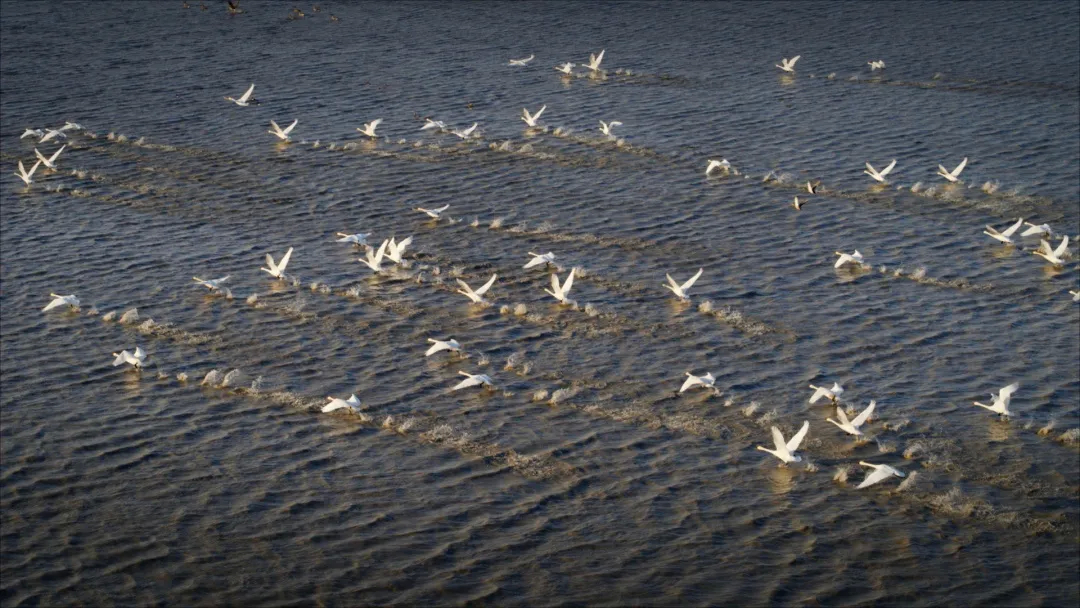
[394, 251]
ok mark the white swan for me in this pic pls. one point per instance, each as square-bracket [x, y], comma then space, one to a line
[876, 65]
[566, 68]
[530, 119]
[1056, 256]
[706, 381]
[58, 301]
[785, 451]
[351, 403]
[522, 62]
[32, 133]
[212, 284]
[538, 259]
[434, 213]
[561, 293]
[854, 258]
[717, 164]
[136, 359]
[852, 427]
[606, 127]
[879, 175]
[881, 473]
[396, 249]
[594, 61]
[282, 134]
[955, 173]
[680, 290]
[27, 176]
[1006, 235]
[277, 270]
[437, 346]
[831, 393]
[433, 124]
[465, 133]
[374, 258]
[369, 127]
[52, 133]
[245, 99]
[1001, 400]
[49, 162]
[1041, 229]
[356, 239]
[476, 296]
[811, 188]
[473, 380]
[789, 64]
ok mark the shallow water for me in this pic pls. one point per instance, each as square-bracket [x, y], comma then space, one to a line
[584, 478]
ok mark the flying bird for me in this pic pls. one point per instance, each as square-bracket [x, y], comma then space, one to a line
[566, 68]
[465, 133]
[1006, 235]
[1056, 256]
[881, 473]
[538, 259]
[32, 133]
[52, 133]
[789, 64]
[356, 239]
[876, 65]
[855, 258]
[395, 249]
[811, 188]
[437, 346]
[955, 173]
[680, 290]
[785, 451]
[369, 127]
[245, 99]
[879, 175]
[530, 119]
[49, 162]
[433, 124]
[1041, 229]
[473, 380]
[58, 301]
[212, 284]
[352, 403]
[717, 164]
[282, 134]
[852, 427]
[374, 258]
[831, 393]
[797, 204]
[27, 176]
[606, 127]
[1000, 403]
[594, 61]
[561, 293]
[277, 270]
[522, 62]
[434, 213]
[476, 296]
[136, 359]
[706, 381]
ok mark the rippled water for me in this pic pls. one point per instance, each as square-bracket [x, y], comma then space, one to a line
[583, 478]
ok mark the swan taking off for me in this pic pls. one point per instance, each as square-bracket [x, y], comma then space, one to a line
[374, 259]
[606, 127]
[680, 290]
[433, 124]
[136, 359]
[706, 381]
[369, 127]
[356, 239]
[876, 65]
[245, 99]
[1006, 235]
[852, 427]
[27, 176]
[282, 134]
[566, 68]
[277, 270]
[351, 403]
[395, 249]
[594, 61]
[441, 345]
[831, 393]
[881, 473]
[522, 62]
[434, 213]
[212, 284]
[854, 258]
[530, 119]
[473, 380]
[476, 296]
[58, 301]
[465, 133]
[1041, 229]
[538, 259]
[879, 175]
[717, 164]
[49, 162]
[1056, 256]
[785, 451]
[1001, 400]
[954, 174]
[789, 64]
[560, 293]
[32, 133]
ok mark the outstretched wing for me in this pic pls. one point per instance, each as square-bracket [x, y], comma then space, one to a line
[885, 171]
[691, 381]
[270, 262]
[55, 303]
[959, 168]
[877, 476]
[290, 127]
[247, 95]
[793, 444]
[285, 260]
[569, 281]
[865, 415]
[842, 415]
[466, 383]
[1062, 246]
[487, 285]
[1013, 228]
[781, 447]
[693, 279]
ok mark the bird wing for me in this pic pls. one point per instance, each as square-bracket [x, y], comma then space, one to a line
[335, 404]
[381, 252]
[599, 57]
[568, 282]
[275, 125]
[781, 446]
[614, 123]
[285, 260]
[443, 208]
[956, 172]
[120, 358]
[270, 262]
[671, 281]
[403, 244]
[487, 285]
[290, 127]
[818, 394]
[139, 353]
[793, 444]
[467, 289]
[555, 285]
[537, 115]
[1013, 228]
[844, 258]
[56, 302]
[791, 64]
[536, 261]
[466, 383]
[247, 94]
[864, 415]
[41, 156]
[374, 123]
[436, 347]
[842, 415]
[872, 171]
[55, 154]
[693, 279]
[691, 381]
[886, 170]
[1062, 246]
[878, 475]
[1007, 392]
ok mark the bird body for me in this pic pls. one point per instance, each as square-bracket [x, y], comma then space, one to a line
[352, 403]
[785, 451]
[374, 258]
[1054, 256]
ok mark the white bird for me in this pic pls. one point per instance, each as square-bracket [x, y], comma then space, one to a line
[245, 99]
[476, 296]
[395, 249]
[811, 188]
[434, 213]
[374, 259]
[137, 359]
[852, 427]
[351, 403]
[473, 380]
[831, 393]
[26, 176]
[50, 134]
[71, 126]
[57, 301]
[561, 293]
[212, 284]
[1040, 230]
[1056, 256]
[522, 62]
[876, 65]
[879, 175]
[437, 346]
[282, 134]
[51, 161]
[789, 64]
[465, 133]
[955, 173]
[797, 204]
[881, 473]
[1001, 400]
[566, 68]
[854, 258]
[680, 290]
[785, 451]
[277, 270]
[706, 381]
[31, 133]
[369, 127]
[1075, 295]
[530, 119]
[606, 127]
[538, 259]
[717, 164]
[1006, 235]
[433, 124]
[594, 61]
[356, 239]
